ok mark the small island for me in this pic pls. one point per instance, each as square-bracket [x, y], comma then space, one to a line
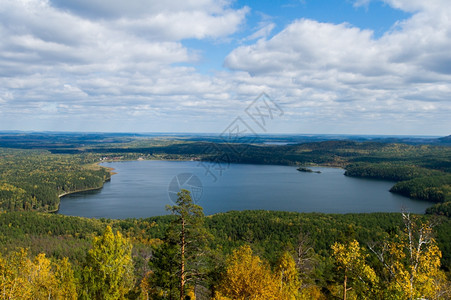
[307, 170]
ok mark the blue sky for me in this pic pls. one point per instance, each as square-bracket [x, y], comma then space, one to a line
[333, 67]
[376, 16]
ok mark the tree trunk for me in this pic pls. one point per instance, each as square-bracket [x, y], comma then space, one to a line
[182, 262]
[344, 290]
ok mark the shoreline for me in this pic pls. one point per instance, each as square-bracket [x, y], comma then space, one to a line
[326, 165]
[73, 192]
[108, 168]
[80, 191]
[83, 190]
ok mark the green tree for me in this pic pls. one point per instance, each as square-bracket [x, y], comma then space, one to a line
[189, 234]
[163, 281]
[108, 273]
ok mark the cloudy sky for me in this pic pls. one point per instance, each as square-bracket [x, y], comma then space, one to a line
[332, 66]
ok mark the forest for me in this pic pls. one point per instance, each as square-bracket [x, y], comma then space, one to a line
[293, 255]
[34, 180]
[233, 255]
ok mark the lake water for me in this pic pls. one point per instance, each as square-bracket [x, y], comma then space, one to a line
[140, 189]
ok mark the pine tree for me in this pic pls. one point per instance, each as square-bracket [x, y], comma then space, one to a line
[163, 281]
[190, 235]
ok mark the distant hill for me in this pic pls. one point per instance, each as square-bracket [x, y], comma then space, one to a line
[445, 140]
[75, 140]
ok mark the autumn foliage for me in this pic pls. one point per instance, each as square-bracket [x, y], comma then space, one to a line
[37, 278]
[403, 264]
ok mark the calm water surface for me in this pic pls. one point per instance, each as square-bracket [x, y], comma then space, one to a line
[140, 189]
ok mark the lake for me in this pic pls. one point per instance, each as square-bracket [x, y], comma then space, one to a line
[143, 189]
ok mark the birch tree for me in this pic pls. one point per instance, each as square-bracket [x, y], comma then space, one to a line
[356, 273]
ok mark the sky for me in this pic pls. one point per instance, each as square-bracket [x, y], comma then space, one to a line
[325, 66]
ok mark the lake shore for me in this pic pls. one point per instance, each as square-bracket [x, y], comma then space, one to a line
[111, 170]
[73, 192]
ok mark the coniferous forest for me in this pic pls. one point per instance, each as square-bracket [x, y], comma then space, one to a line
[233, 255]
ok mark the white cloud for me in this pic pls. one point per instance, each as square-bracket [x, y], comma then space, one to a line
[137, 8]
[263, 32]
[124, 65]
[84, 59]
[161, 20]
[185, 25]
[348, 72]
[306, 44]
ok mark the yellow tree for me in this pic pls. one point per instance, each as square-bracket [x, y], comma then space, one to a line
[287, 273]
[67, 284]
[40, 278]
[14, 283]
[109, 270]
[43, 280]
[415, 265]
[248, 277]
[351, 260]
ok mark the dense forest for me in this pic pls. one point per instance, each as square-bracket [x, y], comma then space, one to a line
[234, 255]
[34, 180]
[234, 247]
